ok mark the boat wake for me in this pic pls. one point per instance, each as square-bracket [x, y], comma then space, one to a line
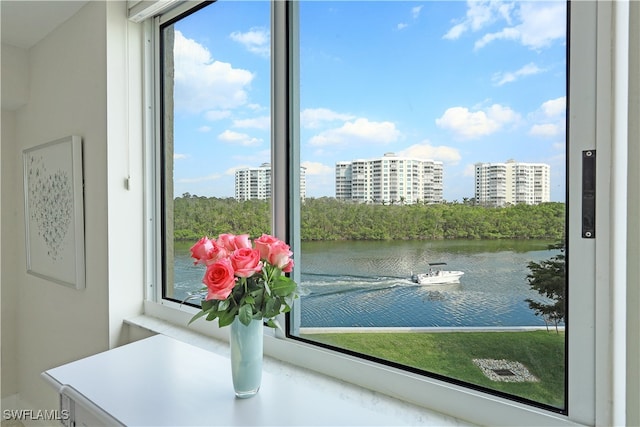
[320, 285]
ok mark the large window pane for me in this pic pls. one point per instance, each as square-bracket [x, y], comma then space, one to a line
[434, 132]
[431, 132]
[216, 145]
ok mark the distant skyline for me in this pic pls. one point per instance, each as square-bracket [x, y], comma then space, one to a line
[452, 81]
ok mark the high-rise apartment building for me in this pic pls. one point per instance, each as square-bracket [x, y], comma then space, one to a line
[389, 179]
[499, 184]
[255, 183]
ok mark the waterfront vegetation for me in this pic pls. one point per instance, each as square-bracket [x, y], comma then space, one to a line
[448, 354]
[330, 219]
[451, 354]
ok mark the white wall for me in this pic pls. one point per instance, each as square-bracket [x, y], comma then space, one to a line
[15, 82]
[14, 95]
[9, 289]
[633, 224]
[77, 85]
[125, 175]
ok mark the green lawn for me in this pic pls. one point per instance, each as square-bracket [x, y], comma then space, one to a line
[451, 354]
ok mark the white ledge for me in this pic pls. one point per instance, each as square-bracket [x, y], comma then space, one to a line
[361, 401]
[415, 398]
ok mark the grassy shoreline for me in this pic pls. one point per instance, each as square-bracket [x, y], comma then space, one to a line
[452, 353]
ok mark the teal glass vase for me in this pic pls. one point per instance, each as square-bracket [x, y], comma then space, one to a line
[246, 357]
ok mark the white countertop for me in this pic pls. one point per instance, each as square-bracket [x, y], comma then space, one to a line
[160, 381]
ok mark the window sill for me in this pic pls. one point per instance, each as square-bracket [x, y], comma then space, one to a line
[359, 400]
[414, 398]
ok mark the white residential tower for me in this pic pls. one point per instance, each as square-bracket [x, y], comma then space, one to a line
[255, 183]
[499, 184]
[389, 179]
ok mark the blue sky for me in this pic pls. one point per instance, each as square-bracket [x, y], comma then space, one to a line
[459, 82]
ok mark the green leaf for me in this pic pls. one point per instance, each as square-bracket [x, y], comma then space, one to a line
[272, 307]
[223, 305]
[226, 318]
[212, 315]
[245, 314]
[272, 323]
[197, 316]
[256, 292]
[208, 304]
[283, 286]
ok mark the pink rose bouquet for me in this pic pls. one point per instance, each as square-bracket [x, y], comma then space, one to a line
[244, 279]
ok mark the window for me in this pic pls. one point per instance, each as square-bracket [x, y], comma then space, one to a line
[215, 89]
[229, 109]
[414, 82]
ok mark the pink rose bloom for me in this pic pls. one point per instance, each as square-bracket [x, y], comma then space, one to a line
[218, 252]
[232, 242]
[289, 267]
[207, 251]
[246, 262]
[201, 251]
[242, 241]
[263, 243]
[219, 279]
[280, 256]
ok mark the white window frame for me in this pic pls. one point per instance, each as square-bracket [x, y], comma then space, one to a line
[593, 308]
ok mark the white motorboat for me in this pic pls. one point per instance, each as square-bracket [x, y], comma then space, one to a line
[436, 275]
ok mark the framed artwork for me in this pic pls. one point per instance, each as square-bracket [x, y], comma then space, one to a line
[54, 211]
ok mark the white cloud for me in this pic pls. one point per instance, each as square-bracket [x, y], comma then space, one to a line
[533, 24]
[312, 118]
[360, 131]
[214, 115]
[455, 32]
[415, 11]
[505, 34]
[415, 14]
[468, 124]
[541, 23]
[427, 151]
[237, 138]
[204, 84]
[317, 168]
[555, 107]
[479, 15]
[545, 130]
[177, 156]
[510, 77]
[263, 123]
[549, 119]
[257, 40]
[204, 129]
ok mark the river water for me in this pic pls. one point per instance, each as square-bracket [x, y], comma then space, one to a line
[367, 284]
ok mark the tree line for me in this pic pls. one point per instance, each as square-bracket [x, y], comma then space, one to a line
[327, 218]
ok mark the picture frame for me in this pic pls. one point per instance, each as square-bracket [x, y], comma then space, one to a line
[54, 211]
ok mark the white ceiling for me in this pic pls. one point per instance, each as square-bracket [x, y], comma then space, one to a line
[26, 22]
